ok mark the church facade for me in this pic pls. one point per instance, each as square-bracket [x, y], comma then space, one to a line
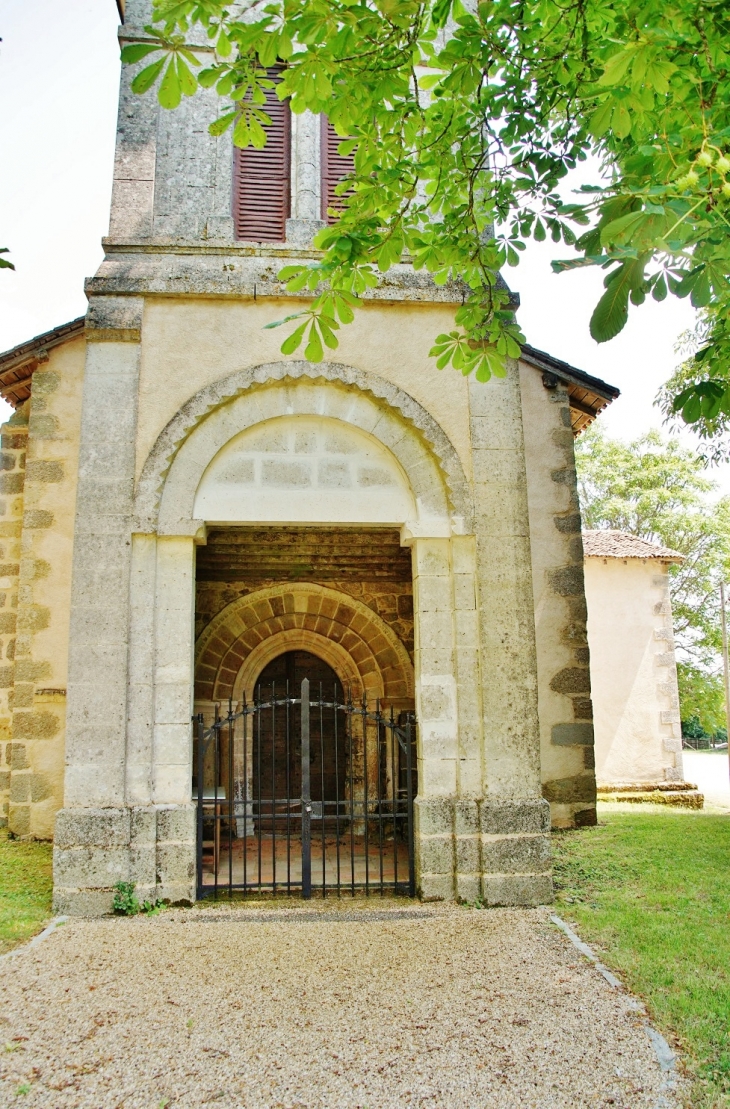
[182, 506]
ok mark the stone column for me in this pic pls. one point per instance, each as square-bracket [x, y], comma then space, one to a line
[470, 768]
[514, 819]
[93, 829]
[436, 711]
[99, 634]
[173, 707]
[141, 688]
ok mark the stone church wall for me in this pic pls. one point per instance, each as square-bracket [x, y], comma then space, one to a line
[566, 715]
[14, 443]
[38, 666]
[189, 343]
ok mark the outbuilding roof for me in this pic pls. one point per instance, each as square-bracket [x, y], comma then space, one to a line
[605, 543]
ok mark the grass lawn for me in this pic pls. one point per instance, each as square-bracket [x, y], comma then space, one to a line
[26, 887]
[650, 890]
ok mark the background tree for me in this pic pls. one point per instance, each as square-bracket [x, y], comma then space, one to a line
[466, 120]
[713, 433]
[658, 490]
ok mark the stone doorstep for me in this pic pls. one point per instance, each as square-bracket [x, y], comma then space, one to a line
[686, 798]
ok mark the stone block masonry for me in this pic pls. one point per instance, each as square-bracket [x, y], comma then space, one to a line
[154, 847]
[368, 564]
[14, 767]
[563, 675]
[44, 523]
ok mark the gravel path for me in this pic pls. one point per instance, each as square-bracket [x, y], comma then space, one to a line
[358, 1006]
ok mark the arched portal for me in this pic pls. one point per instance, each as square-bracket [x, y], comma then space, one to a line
[315, 510]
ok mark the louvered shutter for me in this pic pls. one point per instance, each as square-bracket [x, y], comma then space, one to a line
[334, 168]
[261, 180]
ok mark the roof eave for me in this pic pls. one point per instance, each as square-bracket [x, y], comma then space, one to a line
[544, 361]
[18, 365]
[588, 395]
[638, 558]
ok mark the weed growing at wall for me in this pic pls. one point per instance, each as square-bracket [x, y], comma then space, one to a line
[126, 902]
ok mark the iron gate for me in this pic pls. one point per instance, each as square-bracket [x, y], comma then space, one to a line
[297, 794]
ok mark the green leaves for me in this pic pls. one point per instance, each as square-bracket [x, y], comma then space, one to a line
[612, 311]
[441, 12]
[4, 263]
[457, 169]
[320, 321]
[617, 66]
[136, 51]
[170, 91]
[489, 338]
[146, 78]
[456, 349]
[178, 79]
[703, 400]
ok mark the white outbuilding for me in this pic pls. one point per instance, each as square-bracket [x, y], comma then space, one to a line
[638, 741]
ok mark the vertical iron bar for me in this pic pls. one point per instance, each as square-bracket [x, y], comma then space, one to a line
[247, 806]
[273, 786]
[216, 776]
[350, 728]
[259, 711]
[337, 790]
[306, 798]
[201, 731]
[394, 797]
[288, 795]
[322, 792]
[231, 792]
[409, 796]
[379, 791]
[365, 793]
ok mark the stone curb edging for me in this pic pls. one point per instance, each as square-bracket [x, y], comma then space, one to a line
[666, 1058]
[49, 928]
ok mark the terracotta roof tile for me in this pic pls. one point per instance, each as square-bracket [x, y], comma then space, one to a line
[605, 543]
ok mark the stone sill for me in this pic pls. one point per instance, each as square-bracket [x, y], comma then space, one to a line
[209, 246]
[240, 272]
[680, 798]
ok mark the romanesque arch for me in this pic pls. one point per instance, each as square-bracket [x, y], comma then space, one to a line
[364, 652]
[201, 428]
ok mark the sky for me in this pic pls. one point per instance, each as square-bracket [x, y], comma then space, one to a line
[59, 74]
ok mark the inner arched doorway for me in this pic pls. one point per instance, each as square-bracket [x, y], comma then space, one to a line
[275, 607]
[277, 769]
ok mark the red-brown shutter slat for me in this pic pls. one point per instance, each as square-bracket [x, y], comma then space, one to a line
[261, 178]
[334, 168]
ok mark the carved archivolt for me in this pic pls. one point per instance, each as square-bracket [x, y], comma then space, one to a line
[247, 634]
[203, 425]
